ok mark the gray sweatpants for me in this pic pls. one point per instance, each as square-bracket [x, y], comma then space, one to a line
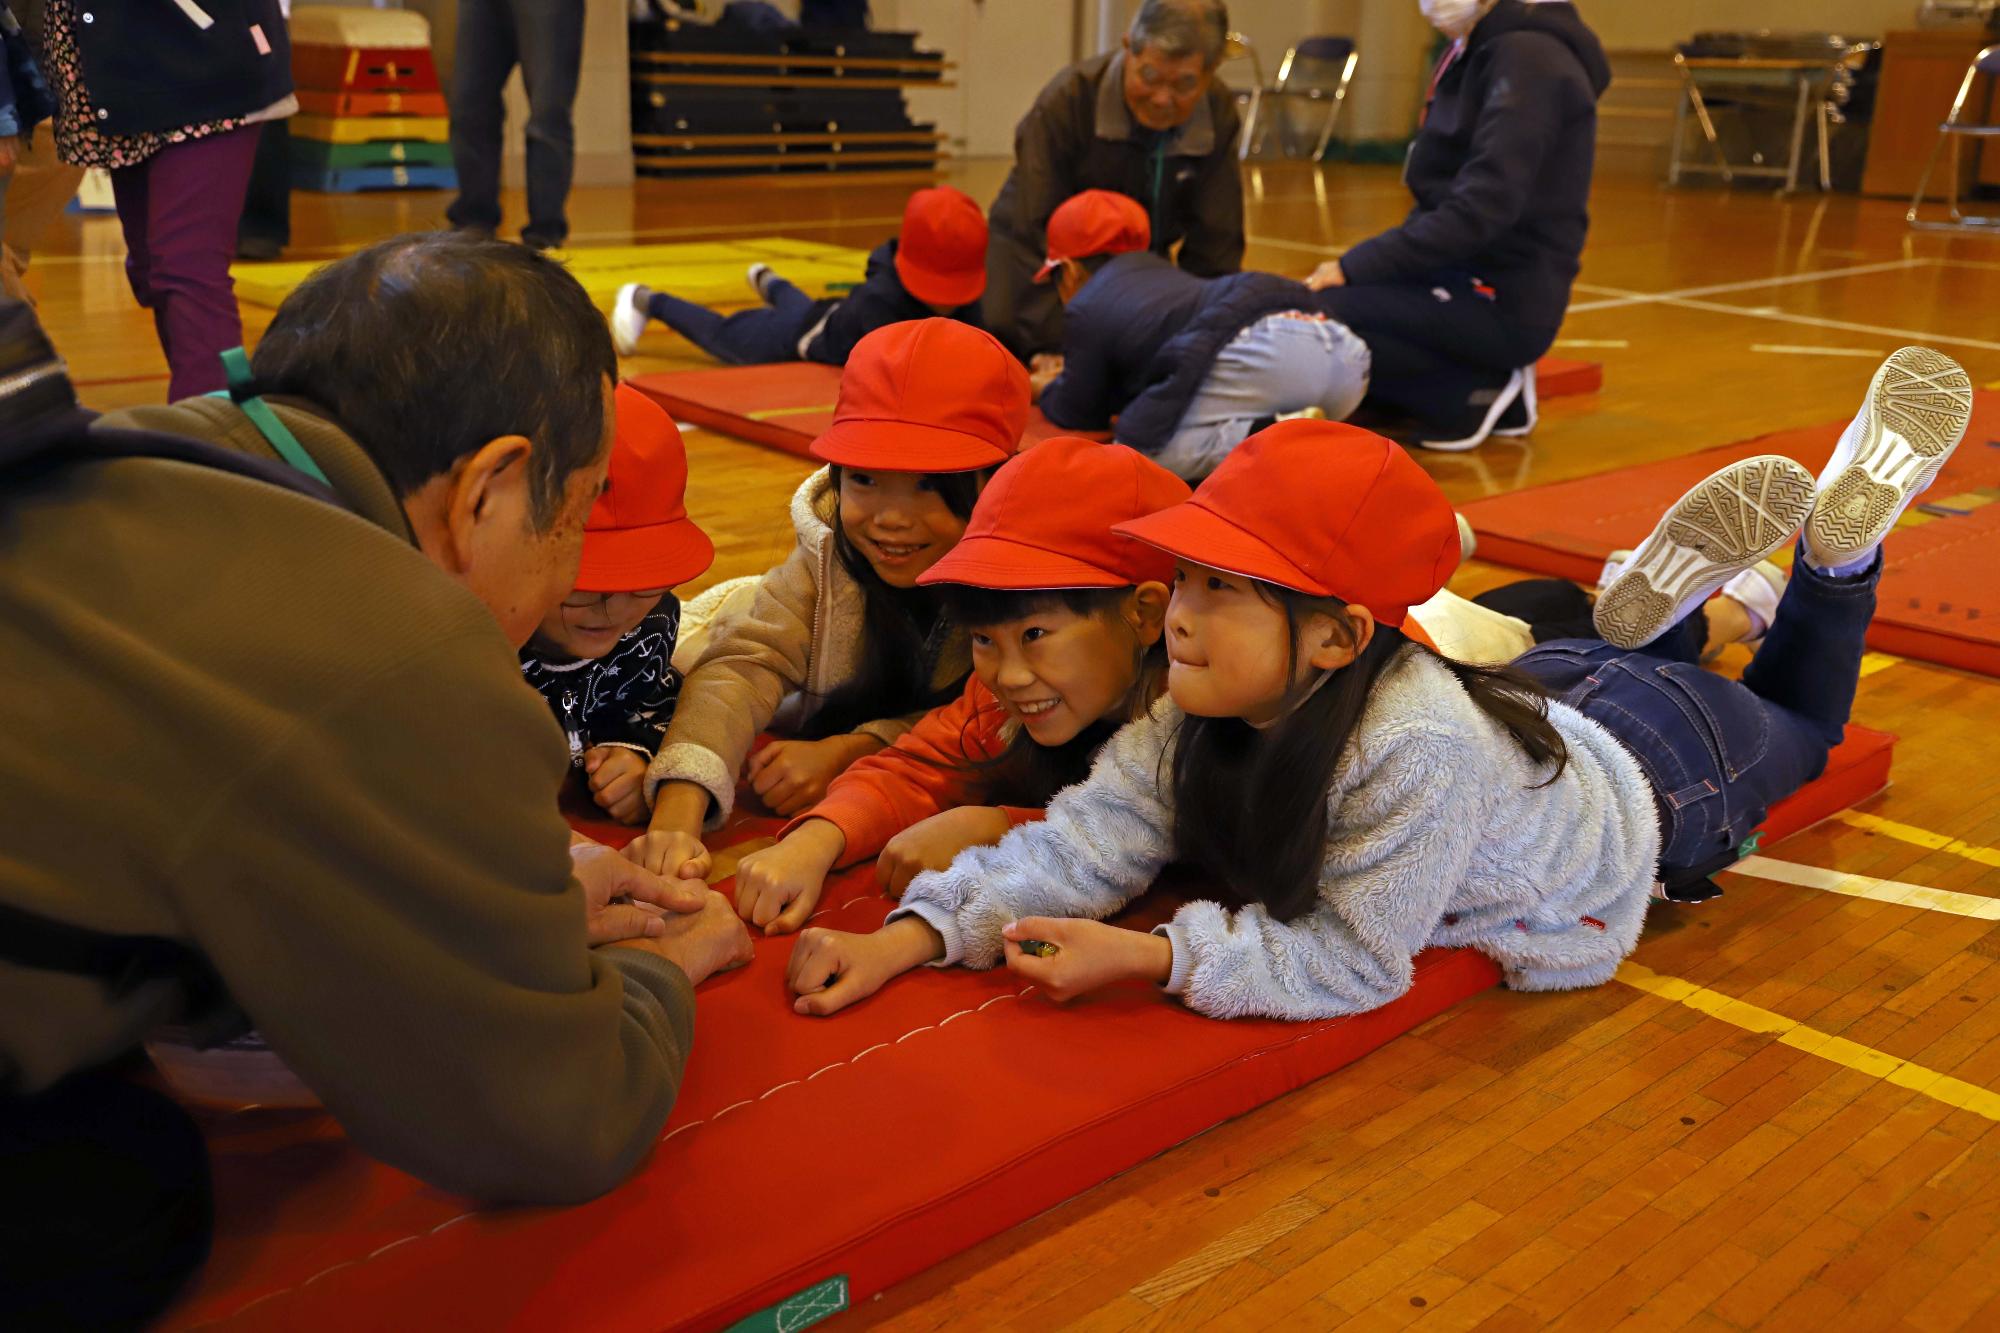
[1281, 363]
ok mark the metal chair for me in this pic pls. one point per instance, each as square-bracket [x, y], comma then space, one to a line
[1317, 70]
[1960, 124]
[1809, 73]
[1239, 47]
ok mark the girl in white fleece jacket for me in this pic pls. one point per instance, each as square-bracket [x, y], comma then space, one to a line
[1356, 798]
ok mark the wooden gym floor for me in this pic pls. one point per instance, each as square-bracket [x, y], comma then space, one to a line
[1787, 1114]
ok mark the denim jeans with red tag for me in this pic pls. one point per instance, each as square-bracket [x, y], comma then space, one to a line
[1720, 753]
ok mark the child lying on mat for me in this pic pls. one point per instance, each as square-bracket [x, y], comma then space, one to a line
[838, 647]
[1188, 366]
[936, 266]
[1358, 798]
[604, 657]
[1065, 620]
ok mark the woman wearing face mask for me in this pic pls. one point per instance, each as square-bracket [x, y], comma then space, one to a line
[1459, 301]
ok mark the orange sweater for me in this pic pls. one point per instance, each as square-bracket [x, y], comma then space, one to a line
[937, 765]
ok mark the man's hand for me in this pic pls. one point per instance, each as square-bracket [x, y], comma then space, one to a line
[1043, 368]
[623, 900]
[1088, 954]
[702, 942]
[1327, 275]
[778, 887]
[932, 844]
[788, 776]
[617, 781]
[10, 153]
[831, 969]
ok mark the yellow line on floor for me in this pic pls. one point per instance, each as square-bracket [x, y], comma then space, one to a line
[1920, 896]
[1874, 662]
[1920, 837]
[1848, 1054]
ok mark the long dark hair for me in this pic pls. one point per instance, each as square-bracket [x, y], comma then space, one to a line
[1024, 772]
[1250, 805]
[902, 629]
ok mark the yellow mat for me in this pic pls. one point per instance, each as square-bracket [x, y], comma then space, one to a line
[710, 272]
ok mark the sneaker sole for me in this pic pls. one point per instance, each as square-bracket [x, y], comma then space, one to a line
[1723, 526]
[1494, 411]
[624, 338]
[1916, 411]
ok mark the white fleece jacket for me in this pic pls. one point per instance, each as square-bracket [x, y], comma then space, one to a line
[770, 649]
[1437, 836]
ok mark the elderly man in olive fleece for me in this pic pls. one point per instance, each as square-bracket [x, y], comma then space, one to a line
[269, 760]
[1149, 120]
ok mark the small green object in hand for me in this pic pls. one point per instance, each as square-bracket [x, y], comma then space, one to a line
[1039, 948]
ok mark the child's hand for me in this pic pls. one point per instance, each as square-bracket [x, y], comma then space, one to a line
[788, 776]
[617, 781]
[1088, 954]
[10, 153]
[1327, 275]
[671, 853]
[831, 969]
[932, 844]
[778, 887]
[1043, 371]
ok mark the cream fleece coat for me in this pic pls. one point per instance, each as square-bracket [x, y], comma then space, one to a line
[767, 651]
[1438, 835]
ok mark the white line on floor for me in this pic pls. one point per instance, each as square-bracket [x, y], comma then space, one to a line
[1800, 349]
[1592, 342]
[1327, 251]
[1846, 326]
[1866, 886]
[1621, 297]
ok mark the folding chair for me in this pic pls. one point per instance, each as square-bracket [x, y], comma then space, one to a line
[1317, 70]
[1962, 123]
[1239, 47]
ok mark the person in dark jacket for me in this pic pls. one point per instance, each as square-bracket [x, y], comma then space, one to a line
[1149, 120]
[1459, 301]
[168, 99]
[934, 267]
[1188, 367]
[24, 101]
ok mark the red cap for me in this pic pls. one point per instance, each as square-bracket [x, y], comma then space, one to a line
[1096, 222]
[1322, 508]
[639, 534]
[927, 395]
[1045, 521]
[941, 253]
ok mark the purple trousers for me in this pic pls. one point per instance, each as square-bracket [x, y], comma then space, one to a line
[179, 209]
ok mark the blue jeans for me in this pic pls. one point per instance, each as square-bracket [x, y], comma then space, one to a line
[1278, 364]
[752, 337]
[545, 38]
[1718, 753]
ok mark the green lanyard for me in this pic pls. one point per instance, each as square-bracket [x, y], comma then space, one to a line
[242, 392]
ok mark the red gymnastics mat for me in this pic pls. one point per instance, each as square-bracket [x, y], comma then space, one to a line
[788, 405]
[809, 1163]
[1939, 600]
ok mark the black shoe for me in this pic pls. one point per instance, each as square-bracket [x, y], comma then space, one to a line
[258, 249]
[540, 244]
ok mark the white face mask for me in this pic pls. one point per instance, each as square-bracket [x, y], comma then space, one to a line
[1453, 18]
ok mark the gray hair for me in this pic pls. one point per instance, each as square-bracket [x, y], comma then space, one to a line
[1176, 28]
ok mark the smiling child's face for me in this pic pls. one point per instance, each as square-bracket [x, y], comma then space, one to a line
[588, 625]
[898, 521]
[1228, 646]
[1057, 672]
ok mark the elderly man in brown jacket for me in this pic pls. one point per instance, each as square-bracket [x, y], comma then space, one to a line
[1149, 120]
[268, 761]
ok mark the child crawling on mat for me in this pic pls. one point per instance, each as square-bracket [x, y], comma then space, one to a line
[1187, 366]
[838, 649]
[935, 266]
[1357, 798]
[603, 658]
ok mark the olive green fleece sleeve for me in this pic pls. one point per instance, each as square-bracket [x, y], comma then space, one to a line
[386, 892]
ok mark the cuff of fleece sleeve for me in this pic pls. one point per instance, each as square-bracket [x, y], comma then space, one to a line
[701, 766]
[943, 922]
[1177, 980]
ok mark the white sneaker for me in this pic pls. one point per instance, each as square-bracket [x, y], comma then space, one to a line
[628, 319]
[1614, 565]
[1503, 400]
[1529, 402]
[759, 276]
[1468, 540]
[1727, 523]
[1916, 412]
[1758, 589]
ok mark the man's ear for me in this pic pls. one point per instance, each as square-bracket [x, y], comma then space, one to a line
[1330, 646]
[1145, 610]
[490, 494]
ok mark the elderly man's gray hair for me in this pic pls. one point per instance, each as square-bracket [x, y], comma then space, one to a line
[1176, 28]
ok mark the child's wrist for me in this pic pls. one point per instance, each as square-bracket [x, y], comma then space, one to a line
[916, 942]
[819, 838]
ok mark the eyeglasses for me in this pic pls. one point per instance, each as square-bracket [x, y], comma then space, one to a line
[601, 610]
[1183, 85]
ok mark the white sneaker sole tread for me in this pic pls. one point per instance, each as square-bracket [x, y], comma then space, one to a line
[1725, 525]
[1917, 408]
